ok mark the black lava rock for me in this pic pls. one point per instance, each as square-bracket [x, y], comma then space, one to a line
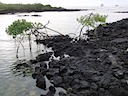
[43, 57]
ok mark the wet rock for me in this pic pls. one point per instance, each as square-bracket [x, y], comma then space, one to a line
[61, 93]
[52, 89]
[69, 90]
[54, 64]
[51, 92]
[118, 91]
[43, 65]
[63, 69]
[56, 80]
[21, 63]
[76, 87]
[51, 72]
[48, 94]
[97, 67]
[120, 40]
[119, 74]
[43, 57]
[40, 81]
[84, 84]
[94, 86]
[33, 61]
[34, 75]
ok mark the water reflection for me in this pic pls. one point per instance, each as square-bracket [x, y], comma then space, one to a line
[21, 68]
[22, 82]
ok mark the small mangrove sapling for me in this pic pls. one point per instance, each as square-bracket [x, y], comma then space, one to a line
[20, 29]
[91, 21]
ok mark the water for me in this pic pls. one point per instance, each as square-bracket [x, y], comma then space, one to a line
[65, 22]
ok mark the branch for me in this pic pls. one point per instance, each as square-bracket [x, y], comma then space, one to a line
[53, 30]
[44, 27]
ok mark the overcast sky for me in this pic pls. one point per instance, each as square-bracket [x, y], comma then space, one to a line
[72, 2]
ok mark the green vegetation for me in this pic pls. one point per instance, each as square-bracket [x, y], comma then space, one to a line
[21, 29]
[37, 7]
[91, 21]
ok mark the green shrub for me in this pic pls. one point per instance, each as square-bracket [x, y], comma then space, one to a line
[19, 27]
[91, 21]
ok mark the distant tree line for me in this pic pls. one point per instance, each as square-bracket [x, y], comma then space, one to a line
[36, 7]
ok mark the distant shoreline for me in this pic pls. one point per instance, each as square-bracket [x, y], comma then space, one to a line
[121, 12]
[37, 7]
[56, 10]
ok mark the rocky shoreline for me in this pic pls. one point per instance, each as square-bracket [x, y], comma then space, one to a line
[27, 8]
[94, 67]
[121, 12]
[48, 10]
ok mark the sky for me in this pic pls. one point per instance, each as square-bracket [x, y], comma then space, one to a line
[72, 2]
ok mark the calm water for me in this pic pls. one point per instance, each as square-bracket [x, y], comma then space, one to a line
[65, 22]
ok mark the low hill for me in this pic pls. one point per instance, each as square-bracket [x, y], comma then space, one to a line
[37, 7]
